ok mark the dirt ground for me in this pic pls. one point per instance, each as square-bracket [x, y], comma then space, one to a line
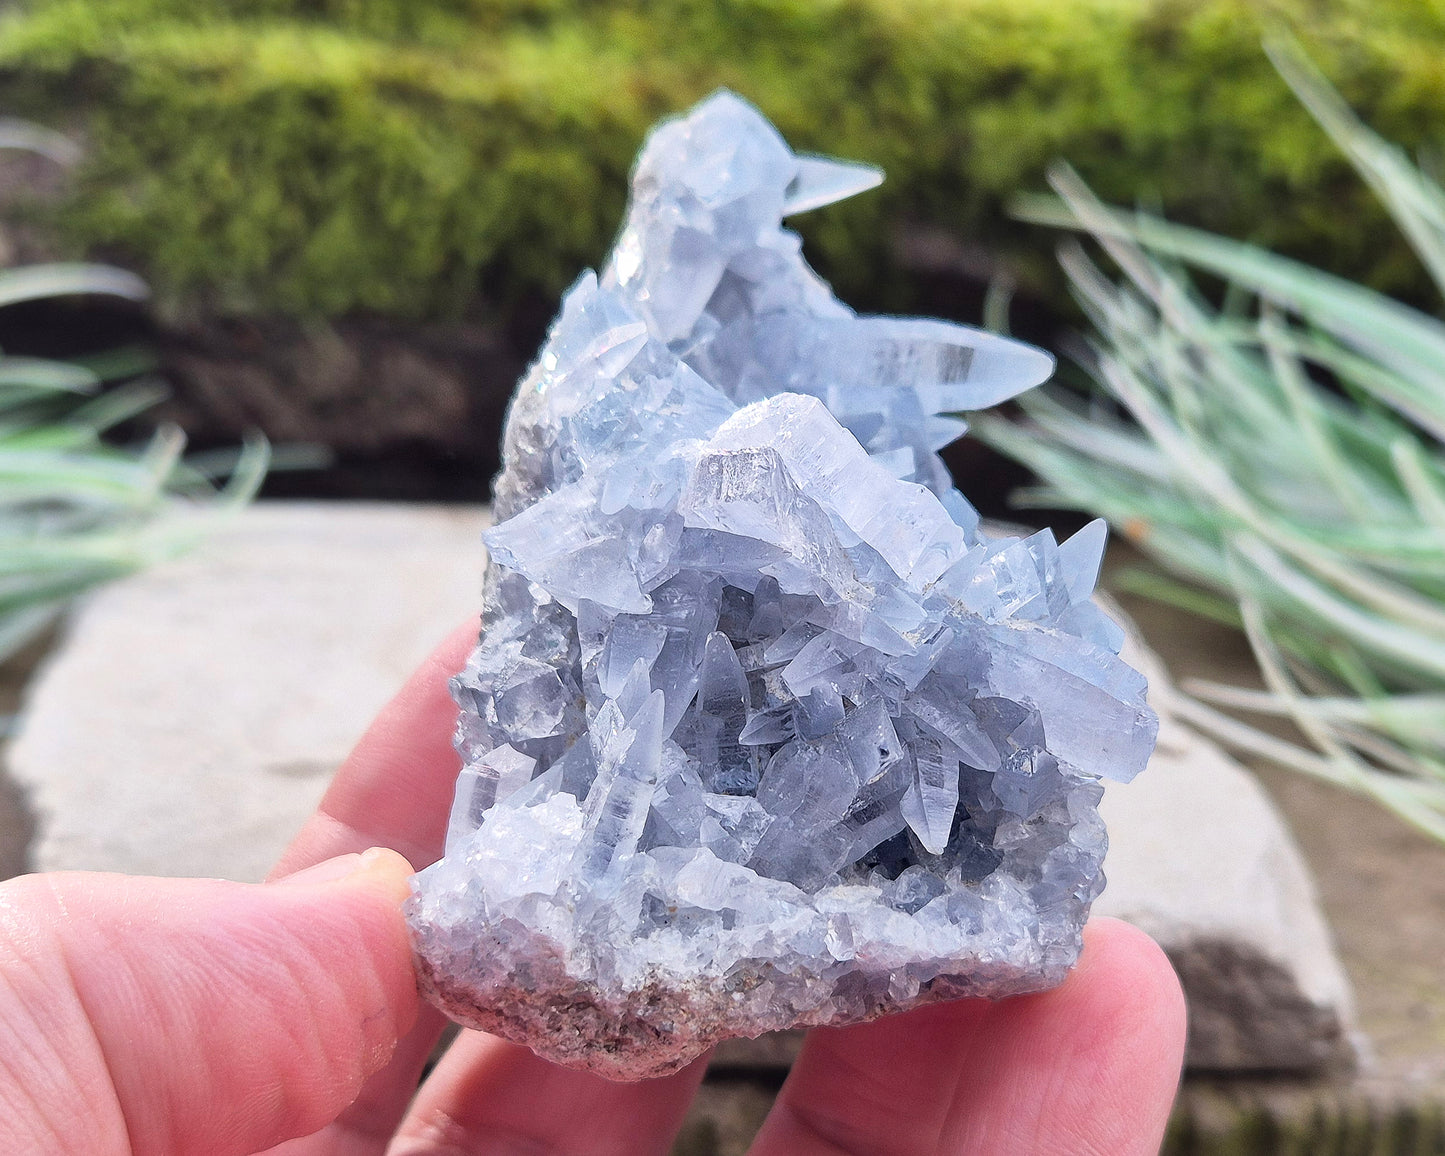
[16, 823]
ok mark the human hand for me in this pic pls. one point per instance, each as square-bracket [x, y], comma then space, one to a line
[156, 1016]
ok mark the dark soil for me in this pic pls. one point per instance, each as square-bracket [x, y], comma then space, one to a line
[412, 410]
[17, 824]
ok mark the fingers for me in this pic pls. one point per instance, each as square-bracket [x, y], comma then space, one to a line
[487, 1095]
[1088, 1068]
[491, 1098]
[395, 790]
[366, 1125]
[197, 1016]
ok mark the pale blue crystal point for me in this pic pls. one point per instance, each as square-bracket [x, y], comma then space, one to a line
[762, 730]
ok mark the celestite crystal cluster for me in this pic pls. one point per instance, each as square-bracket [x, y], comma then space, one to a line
[761, 731]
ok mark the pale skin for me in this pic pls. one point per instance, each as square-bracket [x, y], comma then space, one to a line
[194, 1016]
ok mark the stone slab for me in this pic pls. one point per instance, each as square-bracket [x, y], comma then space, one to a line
[192, 715]
[1201, 859]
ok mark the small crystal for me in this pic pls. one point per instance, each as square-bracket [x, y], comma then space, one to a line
[762, 730]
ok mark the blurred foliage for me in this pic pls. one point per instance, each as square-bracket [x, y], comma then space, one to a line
[1277, 442]
[75, 510]
[317, 157]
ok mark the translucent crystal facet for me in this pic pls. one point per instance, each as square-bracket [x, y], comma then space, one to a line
[761, 730]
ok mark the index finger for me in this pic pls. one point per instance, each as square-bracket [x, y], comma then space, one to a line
[395, 789]
[1090, 1067]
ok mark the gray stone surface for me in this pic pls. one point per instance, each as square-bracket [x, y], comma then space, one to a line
[1201, 859]
[190, 719]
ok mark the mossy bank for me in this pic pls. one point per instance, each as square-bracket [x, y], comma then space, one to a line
[357, 214]
[319, 157]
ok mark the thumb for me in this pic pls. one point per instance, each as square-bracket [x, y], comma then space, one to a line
[194, 1015]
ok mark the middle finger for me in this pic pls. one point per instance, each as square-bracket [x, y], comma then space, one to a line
[488, 1097]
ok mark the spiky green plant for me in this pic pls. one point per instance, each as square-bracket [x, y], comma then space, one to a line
[1280, 454]
[74, 510]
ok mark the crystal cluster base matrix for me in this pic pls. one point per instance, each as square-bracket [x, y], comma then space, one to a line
[761, 731]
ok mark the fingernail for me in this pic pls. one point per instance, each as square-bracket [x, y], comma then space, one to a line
[341, 867]
[325, 871]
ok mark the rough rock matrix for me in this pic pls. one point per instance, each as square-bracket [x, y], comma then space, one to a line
[762, 730]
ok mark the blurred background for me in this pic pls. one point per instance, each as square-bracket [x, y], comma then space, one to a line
[356, 218]
[303, 249]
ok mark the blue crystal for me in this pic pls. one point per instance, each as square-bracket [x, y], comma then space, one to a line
[768, 729]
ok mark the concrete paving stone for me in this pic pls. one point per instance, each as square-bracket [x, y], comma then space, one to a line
[1201, 859]
[191, 717]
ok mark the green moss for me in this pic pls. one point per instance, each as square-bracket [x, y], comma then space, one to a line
[324, 156]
